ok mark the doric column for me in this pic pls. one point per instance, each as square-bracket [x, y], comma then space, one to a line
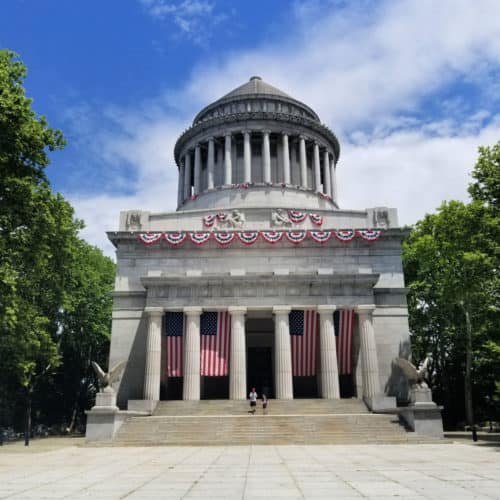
[327, 187]
[197, 169]
[153, 354]
[191, 387]
[286, 159]
[317, 171]
[266, 155]
[210, 163]
[247, 157]
[228, 167]
[368, 352]
[238, 370]
[328, 353]
[187, 175]
[283, 354]
[333, 178]
[180, 187]
[303, 161]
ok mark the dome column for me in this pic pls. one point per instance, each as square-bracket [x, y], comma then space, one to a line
[266, 155]
[210, 163]
[247, 157]
[317, 171]
[286, 158]
[302, 160]
[197, 170]
[187, 175]
[180, 186]
[228, 167]
[333, 178]
[327, 184]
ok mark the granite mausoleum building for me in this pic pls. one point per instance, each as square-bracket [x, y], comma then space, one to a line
[259, 278]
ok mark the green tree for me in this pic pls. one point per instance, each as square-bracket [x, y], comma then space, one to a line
[43, 264]
[451, 268]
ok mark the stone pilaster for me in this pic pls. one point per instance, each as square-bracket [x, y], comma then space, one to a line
[228, 167]
[238, 370]
[210, 163]
[286, 159]
[303, 161]
[247, 157]
[153, 354]
[191, 388]
[368, 352]
[283, 354]
[317, 171]
[266, 155]
[327, 188]
[197, 170]
[329, 368]
[187, 175]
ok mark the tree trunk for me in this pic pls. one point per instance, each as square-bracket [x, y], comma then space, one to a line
[27, 422]
[469, 411]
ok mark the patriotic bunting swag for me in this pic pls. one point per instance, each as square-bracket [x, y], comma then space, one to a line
[209, 220]
[174, 326]
[251, 237]
[296, 216]
[316, 219]
[303, 334]
[343, 321]
[215, 330]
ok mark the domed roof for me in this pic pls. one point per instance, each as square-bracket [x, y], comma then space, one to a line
[256, 89]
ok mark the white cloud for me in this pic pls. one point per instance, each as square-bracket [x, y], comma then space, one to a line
[367, 75]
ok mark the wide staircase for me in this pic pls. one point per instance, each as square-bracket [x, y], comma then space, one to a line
[301, 421]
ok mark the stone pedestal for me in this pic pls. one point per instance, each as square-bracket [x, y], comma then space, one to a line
[105, 400]
[423, 415]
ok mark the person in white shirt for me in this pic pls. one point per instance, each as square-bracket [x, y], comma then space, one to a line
[253, 400]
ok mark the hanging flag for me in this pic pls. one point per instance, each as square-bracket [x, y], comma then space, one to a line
[303, 336]
[174, 327]
[215, 328]
[343, 321]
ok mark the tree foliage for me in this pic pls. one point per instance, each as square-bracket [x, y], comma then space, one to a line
[451, 262]
[49, 277]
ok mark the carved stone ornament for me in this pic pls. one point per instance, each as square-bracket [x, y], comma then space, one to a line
[381, 218]
[280, 218]
[133, 221]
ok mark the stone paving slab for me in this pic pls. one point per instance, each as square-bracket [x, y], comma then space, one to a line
[427, 471]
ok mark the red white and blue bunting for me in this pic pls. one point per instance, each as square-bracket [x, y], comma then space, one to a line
[209, 220]
[316, 219]
[225, 238]
[248, 237]
[175, 238]
[296, 216]
[296, 236]
[272, 236]
[199, 238]
[150, 238]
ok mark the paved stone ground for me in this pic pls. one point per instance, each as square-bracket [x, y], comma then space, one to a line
[59, 469]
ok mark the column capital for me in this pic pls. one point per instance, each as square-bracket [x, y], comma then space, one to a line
[365, 309]
[211, 138]
[192, 310]
[327, 309]
[154, 311]
[228, 134]
[302, 137]
[285, 132]
[266, 131]
[236, 310]
[281, 309]
[246, 131]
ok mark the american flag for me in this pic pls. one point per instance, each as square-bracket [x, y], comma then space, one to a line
[343, 321]
[303, 334]
[174, 328]
[215, 330]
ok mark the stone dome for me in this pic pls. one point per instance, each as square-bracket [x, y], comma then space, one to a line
[269, 147]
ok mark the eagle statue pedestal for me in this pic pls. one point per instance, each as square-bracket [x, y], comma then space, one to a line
[423, 415]
[105, 400]
[104, 419]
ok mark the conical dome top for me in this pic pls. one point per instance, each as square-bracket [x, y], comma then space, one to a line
[255, 95]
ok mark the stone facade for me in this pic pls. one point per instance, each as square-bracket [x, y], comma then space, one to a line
[255, 155]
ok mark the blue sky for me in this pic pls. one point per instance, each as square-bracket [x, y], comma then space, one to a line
[411, 88]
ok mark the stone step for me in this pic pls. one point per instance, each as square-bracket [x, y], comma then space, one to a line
[198, 430]
[275, 407]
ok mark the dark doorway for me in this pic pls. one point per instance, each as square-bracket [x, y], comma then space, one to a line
[214, 387]
[260, 370]
[171, 388]
[305, 387]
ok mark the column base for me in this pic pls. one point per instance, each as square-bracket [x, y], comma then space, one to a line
[381, 403]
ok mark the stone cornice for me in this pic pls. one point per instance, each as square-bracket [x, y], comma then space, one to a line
[279, 118]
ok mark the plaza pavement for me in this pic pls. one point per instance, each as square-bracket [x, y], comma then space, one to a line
[59, 469]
